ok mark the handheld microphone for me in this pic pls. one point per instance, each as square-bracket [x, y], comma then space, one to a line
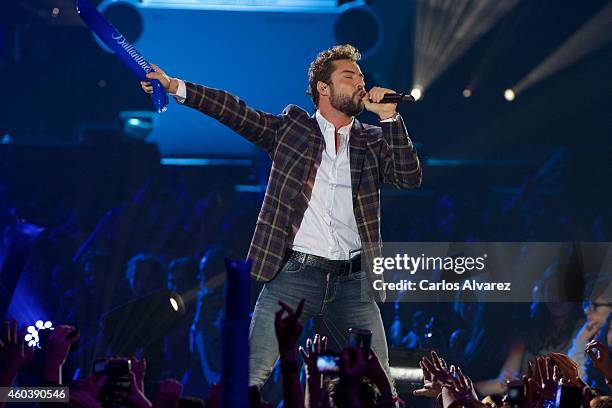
[397, 97]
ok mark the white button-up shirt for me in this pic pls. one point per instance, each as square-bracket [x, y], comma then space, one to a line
[328, 228]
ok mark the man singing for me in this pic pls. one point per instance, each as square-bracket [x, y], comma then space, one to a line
[321, 211]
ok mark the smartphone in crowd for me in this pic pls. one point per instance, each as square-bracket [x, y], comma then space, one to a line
[117, 371]
[328, 362]
[568, 396]
[516, 393]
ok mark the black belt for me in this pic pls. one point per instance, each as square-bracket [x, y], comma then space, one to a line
[334, 266]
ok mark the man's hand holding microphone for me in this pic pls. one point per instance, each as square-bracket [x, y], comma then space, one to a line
[372, 102]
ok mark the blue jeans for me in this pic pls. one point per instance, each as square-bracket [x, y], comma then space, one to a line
[337, 299]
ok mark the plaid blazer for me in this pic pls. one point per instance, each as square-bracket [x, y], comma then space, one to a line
[294, 142]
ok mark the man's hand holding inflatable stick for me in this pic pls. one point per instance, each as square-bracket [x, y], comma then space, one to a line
[169, 84]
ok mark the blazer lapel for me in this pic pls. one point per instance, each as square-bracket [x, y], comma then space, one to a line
[357, 145]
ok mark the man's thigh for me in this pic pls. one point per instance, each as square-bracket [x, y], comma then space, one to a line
[348, 309]
[293, 283]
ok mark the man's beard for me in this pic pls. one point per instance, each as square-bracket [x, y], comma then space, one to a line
[345, 104]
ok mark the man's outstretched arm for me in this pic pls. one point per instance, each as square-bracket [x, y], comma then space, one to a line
[258, 127]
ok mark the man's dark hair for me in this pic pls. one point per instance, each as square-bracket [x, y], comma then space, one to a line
[322, 67]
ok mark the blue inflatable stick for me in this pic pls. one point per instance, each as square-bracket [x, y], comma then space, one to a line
[125, 51]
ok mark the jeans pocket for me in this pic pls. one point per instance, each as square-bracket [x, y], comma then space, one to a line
[292, 266]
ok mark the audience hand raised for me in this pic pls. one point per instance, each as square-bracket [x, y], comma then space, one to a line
[432, 387]
[14, 355]
[134, 396]
[309, 354]
[288, 328]
[600, 356]
[86, 392]
[168, 393]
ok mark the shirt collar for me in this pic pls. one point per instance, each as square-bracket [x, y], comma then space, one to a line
[324, 124]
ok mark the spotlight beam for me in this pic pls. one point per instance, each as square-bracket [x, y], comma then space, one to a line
[445, 29]
[499, 42]
[591, 36]
[442, 36]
